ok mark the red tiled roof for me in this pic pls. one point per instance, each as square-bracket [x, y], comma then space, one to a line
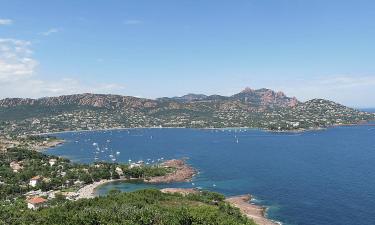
[37, 200]
[35, 178]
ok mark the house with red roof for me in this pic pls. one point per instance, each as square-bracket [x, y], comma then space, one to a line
[36, 202]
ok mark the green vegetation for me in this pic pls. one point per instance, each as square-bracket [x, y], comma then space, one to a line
[260, 108]
[58, 173]
[60, 176]
[142, 207]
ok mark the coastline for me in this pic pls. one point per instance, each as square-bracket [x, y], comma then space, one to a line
[361, 123]
[242, 202]
[88, 191]
[247, 208]
[48, 145]
[183, 173]
[254, 212]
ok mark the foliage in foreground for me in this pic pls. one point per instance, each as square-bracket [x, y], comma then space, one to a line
[60, 176]
[142, 207]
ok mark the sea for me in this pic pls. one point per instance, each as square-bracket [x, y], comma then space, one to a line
[321, 177]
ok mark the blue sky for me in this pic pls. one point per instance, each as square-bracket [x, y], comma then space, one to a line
[308, 49]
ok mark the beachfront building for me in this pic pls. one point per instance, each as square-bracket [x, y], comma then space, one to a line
[119, 171]
[35, 203]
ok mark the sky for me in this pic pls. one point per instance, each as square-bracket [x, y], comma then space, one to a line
[148, 48]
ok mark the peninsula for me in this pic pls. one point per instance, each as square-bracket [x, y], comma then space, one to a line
[50, 189]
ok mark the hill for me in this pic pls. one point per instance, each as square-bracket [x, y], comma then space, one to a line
[262, 108]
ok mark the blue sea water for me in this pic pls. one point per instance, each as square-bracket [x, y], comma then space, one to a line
[322, 177]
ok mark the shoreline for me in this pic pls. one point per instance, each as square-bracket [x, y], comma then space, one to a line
[183, 173]
[302, 130]
[242, 202]
[51, 144]
[255, 212]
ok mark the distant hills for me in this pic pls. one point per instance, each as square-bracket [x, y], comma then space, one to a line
[262, 108]
[255, 98]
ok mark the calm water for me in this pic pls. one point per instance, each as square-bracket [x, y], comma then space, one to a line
[318, 177]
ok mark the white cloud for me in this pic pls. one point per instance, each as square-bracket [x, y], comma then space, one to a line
[6, 22]
[18, 79]
[16, 60]
[50, 31]
[35, 88]
[351, 90]
[132, 22]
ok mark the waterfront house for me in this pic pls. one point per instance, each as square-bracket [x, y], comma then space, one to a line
[119, 171]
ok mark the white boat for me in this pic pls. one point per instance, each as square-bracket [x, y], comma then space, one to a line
[117, 153]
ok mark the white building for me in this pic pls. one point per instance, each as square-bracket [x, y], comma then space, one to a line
[52, 162]
[34, 181]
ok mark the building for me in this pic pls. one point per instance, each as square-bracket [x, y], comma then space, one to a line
[35, 203]
[15, 166]
[119, 171]
[52, 162]
[34, 181]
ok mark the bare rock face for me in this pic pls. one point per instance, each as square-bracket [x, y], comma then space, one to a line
[265, 98]
[261, 98]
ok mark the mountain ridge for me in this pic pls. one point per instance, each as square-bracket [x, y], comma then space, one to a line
[261, 108]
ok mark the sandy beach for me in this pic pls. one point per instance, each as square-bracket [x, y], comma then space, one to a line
[183, 172]
[257, 213]
[88, 191]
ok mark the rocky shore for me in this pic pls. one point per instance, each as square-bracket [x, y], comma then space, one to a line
[49, 144]
[254, 212]
[182, 172]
